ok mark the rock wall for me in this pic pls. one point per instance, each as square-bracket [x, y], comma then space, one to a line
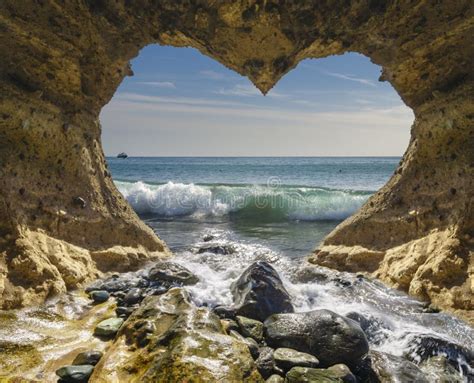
[61, 219]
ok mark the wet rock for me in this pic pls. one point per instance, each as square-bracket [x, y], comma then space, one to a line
[124, 312]
[172, 273]
[250, 328]
[259, 292]
[364, 323]
[217, 249]
[133, 297]
[229, 325]
[251, 343]
[224, 312]
[158, 290]
[265, 362]
[330, 337]
[186, 343]
[108, 328]
[343, 372]
[309, 274]
[373, 327]
[87, 357]
[381, 367]
[287, 358]
[427, 346]
[75, 374]
[99, 296]
[208, 238]
[275, 379]
[438, 369]
[311, 375]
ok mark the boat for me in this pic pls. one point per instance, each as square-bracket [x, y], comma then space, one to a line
[122, 155]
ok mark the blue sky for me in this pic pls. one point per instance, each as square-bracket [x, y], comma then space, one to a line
[182, 103]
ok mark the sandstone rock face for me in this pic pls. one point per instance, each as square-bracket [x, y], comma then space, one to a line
[65, 61]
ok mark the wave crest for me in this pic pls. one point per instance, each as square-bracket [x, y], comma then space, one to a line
[247, 201]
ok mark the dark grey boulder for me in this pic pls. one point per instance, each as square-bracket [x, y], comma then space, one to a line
[216, 249]
[172, 273]
[99, 296]
[330, 337]
[381, 367]
[287, 358]
[87, 357]
[311, 375]
[259, 293]
[75, 374]
[224, 312]
[124, 312]
[134, 296]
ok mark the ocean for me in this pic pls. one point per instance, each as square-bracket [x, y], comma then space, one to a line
[288, 204]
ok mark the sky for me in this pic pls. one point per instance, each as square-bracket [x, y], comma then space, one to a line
[182, 103]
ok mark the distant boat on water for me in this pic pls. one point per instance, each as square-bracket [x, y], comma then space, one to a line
[122, 155]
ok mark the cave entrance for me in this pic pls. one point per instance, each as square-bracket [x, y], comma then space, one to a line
[210, 157]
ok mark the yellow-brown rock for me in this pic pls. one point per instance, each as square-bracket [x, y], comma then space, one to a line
[62, 62]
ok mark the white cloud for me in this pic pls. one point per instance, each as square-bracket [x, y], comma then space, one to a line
[213, 75]
[363, 81]
[159, 84]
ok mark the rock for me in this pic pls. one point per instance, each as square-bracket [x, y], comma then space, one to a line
[108, 328]
[275, 379]
[438, 369]
[87, 357]
[186, 343]
[343, 372]
[80, 202]
[208, 238]
[381, 367]
[330, 337]
[224, 312]
[259, 292]
[172, 273]
[250, 327]
[217, 249]
[75, 374]
[311, 375]
[265, 362]
[251, 343]
[133, 297]
[99, 296]
[287, 358]
[124, 312]
[373, 327]
[229, 325]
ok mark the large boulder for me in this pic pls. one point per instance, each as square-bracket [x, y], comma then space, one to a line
[259, 293]
[330, 337]
[171, 273]
[381, 367]
[168, 339]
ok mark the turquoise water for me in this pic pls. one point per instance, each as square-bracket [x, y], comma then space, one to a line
[286, 204]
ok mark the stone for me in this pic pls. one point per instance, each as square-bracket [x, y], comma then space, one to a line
[328, 336]
[99, 296]
[87, 357]
[108, 327]
[259, 292]
[343, 372]
[224, 312]
[208, 238]
[439, 369]
[124, 312]
[275, 379]
[311, 375]
[133, 297]
[229, 325]
[75, 374]
[251, 343]
[287, 358]
[185, 343]
[265, 362]
[172, 273]
[216, 249]
[381, 367]
[250, 327]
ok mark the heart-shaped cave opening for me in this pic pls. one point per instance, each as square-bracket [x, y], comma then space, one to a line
[208, 154]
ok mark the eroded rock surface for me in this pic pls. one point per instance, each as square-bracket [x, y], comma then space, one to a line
[168, 339]
[62, 221]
